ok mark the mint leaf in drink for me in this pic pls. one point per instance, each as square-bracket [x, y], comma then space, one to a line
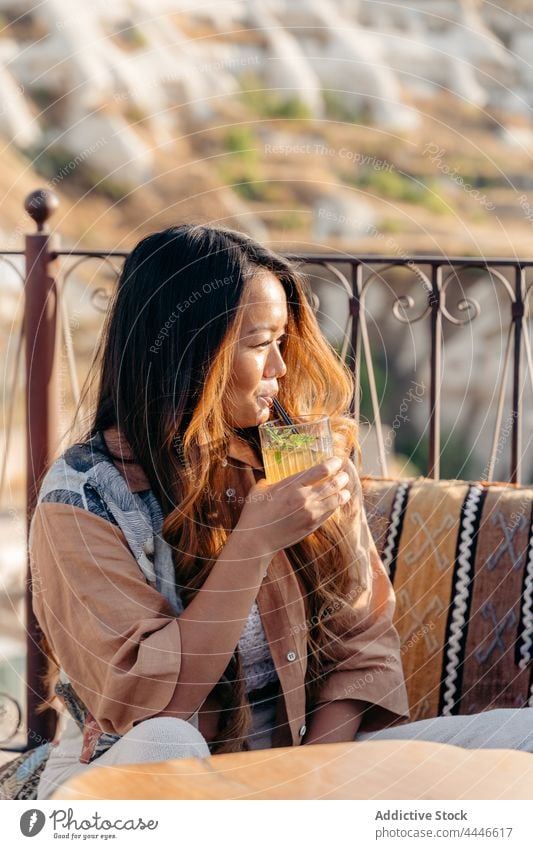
[284, 440]
[278, 435]
[299, 439]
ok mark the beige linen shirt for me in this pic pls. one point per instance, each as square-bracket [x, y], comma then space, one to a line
[118, 639]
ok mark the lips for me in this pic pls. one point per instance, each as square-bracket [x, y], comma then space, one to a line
[269, 396]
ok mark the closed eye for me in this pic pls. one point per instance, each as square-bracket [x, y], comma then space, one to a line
[280, 341]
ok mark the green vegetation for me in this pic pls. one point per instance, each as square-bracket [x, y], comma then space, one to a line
[290, 219]
[49, 162]
[242, 173]
[391, 225]
[249, 189]
[110, 187]
[453, 463]
[271, 104]
[245, 181]
[58, 165]
[339, 109]
[242, 140]
[288, 107]
[398, 186]
[409, 443]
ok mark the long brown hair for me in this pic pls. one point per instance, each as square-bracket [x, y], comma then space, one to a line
[163, 373]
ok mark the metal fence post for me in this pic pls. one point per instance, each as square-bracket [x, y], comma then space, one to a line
[41, 317]
[435, 302]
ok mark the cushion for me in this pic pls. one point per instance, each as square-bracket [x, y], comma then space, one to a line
[460, 557]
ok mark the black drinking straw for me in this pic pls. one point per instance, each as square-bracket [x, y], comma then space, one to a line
[284, 415]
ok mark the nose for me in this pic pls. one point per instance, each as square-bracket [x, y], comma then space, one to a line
[275, 364]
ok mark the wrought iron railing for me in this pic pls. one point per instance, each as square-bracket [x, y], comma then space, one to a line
[358, 275]
[343, 286]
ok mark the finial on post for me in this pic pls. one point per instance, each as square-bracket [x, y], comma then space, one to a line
[41, 205]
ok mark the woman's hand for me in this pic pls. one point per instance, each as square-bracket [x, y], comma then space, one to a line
[355, 485]
[281, 514]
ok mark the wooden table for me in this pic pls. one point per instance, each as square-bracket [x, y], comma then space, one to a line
[389, 769]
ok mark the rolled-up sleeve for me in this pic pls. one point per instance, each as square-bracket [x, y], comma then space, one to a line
[115, 636]
[366, 663]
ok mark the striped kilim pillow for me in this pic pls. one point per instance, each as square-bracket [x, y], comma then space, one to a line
[460, 557]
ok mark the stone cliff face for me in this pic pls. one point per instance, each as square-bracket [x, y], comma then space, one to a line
[78, 74]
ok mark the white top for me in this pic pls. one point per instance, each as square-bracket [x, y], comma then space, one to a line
[259, 669]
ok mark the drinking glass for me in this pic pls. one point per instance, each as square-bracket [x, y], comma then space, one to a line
[288, 449]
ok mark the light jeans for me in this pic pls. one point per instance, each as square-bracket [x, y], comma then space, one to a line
[502, 728]
[159, 739]
[166, 738]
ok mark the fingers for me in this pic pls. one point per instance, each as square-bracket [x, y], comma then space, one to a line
[334, 485]
[332, 502]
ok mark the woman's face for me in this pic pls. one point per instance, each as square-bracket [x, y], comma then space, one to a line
[257, 364]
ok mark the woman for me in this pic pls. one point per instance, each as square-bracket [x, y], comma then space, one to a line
[189, 608]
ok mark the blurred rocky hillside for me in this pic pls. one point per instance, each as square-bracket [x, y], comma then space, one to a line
[364, 125]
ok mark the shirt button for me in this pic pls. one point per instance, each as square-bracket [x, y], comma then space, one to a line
[302, 730]
[291, 655]
[224, 462]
